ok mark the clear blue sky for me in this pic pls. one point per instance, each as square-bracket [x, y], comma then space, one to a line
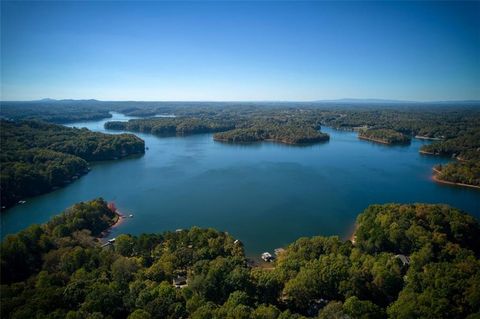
[240, 50]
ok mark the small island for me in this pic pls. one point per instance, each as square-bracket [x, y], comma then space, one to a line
[384, 136]
[286, 134]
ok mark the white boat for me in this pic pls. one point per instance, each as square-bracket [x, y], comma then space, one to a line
[266, 256]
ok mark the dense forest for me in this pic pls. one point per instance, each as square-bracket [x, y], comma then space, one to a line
[432, 122]
[465, 146]
[407, 261]
[464, 172]
[465, 149]
[288, 134]
[283, 134]
[38, 157]
[386, 136]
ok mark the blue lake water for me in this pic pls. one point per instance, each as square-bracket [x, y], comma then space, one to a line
[264, 194]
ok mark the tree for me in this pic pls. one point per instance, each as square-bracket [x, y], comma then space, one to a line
[362, 309]
[139, 314]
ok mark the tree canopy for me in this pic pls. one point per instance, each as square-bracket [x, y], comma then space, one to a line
[59, 270]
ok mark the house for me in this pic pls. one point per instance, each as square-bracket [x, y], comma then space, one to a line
[106, 244]
[109, 243]
[266, 256]
[404, 259]
[179, 282]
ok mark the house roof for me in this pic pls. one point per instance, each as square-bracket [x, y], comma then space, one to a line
[179, 280]
[404, 259]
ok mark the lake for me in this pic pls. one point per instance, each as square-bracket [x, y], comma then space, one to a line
[265, 194]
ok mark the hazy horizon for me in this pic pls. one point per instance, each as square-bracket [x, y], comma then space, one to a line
[340, 100]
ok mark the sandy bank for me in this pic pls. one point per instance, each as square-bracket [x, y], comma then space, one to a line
[353, 236]
[119, 217]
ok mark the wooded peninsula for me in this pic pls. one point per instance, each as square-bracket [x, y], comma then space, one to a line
[408, 261]
[38, 157]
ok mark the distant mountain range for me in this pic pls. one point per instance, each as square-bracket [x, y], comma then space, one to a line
[64, 100]
[360, 101]
[334, 101]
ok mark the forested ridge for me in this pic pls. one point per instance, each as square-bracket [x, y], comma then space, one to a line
[37, 157]
[68, 274]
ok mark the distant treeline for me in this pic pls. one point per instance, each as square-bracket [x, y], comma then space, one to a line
[55, 111]
[408, 261]
[37, 157]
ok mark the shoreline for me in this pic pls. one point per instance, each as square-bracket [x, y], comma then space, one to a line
[353, 236]
[373, 140]
[435, 178]
[271, 140]
[426, 153]
[428, 138]
[382, 141]
[118, 221]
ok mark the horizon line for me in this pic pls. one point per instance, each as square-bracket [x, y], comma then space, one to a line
[345, 100]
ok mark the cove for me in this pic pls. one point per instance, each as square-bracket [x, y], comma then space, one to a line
[265, 194]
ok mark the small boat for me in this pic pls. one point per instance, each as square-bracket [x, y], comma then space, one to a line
[22, 201]
[266, 256]
[131, 215]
